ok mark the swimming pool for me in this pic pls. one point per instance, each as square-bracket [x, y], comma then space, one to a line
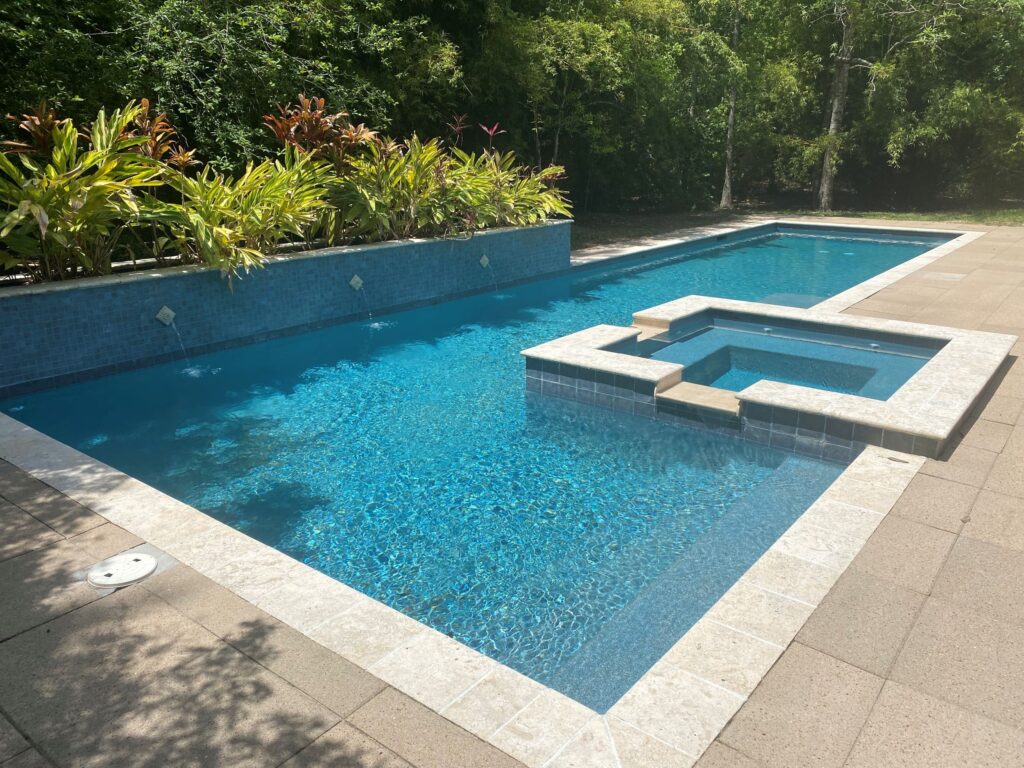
[735, 353]
[403, 457]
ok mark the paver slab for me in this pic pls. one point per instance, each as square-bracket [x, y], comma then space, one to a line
[807, 711]
[909, 729]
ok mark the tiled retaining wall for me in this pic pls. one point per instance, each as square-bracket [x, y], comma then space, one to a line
[57, 333]
[804, 433]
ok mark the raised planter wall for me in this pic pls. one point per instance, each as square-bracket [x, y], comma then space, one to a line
[57, 333]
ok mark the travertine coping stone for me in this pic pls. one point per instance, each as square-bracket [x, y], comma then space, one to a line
[589, 349]
[929, 405]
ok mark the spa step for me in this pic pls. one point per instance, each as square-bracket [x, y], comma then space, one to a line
[699, 396]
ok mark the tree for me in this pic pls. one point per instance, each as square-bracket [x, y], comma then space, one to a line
[730, 131]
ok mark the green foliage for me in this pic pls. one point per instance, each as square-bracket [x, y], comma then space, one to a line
[67, 209]
[420, 190]
[234, 224]
[630, 96]
[68, 196]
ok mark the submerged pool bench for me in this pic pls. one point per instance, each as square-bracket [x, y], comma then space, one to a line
[816, 382]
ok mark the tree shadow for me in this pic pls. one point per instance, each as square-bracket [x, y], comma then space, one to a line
[606, 229]
[126, 679]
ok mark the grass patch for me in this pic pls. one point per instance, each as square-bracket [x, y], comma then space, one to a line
[989, 216]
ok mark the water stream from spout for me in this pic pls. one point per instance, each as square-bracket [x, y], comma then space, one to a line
[494, 279]
[188, 363]
[366, 303]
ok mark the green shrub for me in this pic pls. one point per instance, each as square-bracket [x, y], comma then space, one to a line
[234, 224]
[68, 196]
[68, 207]
[419, 190]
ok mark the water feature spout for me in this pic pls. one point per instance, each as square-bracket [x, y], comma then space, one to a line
[357, 285]
[485, 262]
[166, 316]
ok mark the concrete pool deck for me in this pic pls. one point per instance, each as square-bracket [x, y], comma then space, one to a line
[189, 680]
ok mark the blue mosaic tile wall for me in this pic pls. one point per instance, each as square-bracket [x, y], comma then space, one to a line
[805, 433]
[788, 430]
[106, 324]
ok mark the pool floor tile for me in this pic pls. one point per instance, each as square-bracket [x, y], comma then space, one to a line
[807, 711]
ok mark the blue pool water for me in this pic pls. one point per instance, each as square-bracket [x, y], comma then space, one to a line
[403, 457]
[730, 358]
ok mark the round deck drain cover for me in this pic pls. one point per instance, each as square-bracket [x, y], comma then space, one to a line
[121, 570]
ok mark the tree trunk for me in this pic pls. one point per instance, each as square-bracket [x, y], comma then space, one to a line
[840, 88]
[561, 113]
[536, 138]
[730, 128]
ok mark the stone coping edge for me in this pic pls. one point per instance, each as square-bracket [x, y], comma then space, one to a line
[670, 715]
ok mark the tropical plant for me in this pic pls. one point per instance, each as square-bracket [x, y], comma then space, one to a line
[68, 206]
[69, 195]
[418, 189]
[39, 125]
[234, 224]
[309, 128]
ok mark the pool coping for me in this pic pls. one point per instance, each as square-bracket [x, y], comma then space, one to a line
[919, 417]
[837, 303]
[667, 718]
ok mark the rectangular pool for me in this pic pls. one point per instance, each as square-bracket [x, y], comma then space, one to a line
[403, 457]
[732, 354]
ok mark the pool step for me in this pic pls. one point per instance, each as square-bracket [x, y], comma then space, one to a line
[700, 396]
